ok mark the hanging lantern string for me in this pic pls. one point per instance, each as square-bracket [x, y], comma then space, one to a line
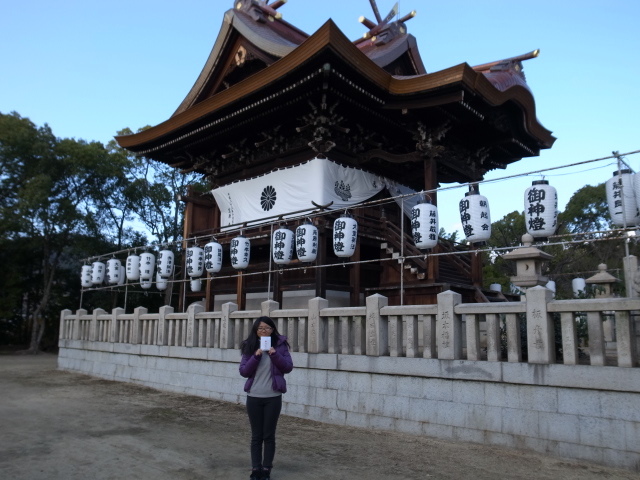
[379, 202]
[488, 250]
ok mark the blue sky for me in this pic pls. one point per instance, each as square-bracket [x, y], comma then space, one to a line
[89, 69]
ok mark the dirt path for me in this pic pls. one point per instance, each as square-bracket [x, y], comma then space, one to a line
[59, 425]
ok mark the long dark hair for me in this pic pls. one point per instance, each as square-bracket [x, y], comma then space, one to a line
[252, 342]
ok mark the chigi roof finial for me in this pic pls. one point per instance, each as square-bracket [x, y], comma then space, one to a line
[382, 24]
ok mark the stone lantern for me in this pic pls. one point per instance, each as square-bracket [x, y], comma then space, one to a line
[528, 264]
[603, 288]
[603, 282]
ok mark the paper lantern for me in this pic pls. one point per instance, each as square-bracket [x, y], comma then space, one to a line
[424, 225]
[147, 264]
[161, 282]
[85, 276]
[345, 236]
[97, 273]
[195, 261]
[551, 285]
[475, 217]
[213, 257]
[282, 246]
[240, 252]
[113, 271]
[133, 267]
[622, 199]
[146, 283]
[307, 242]
[122, 275]
[495, 287]
[165, 263]
[541, 209]
[579, 286]
[196, 284]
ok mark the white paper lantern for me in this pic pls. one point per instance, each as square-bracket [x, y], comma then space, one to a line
[345, 236]
[133, 267]
[161, 282]
[147, 265]
[122, 275]
[195, 261]
[425, 225]
[551, 285]
[307, 242]
[196, 284]
[165, 263]
[475, 217]
[240, 252]
[541, 209]
[579, 286]
[146, 283]
[97, 273]
[282, 246]
[495, 287]
[213, 257]
[622, 200]
[113, 271]
[85, 276]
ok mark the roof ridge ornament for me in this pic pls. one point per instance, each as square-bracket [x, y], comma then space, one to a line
[260, 10]
[383, 31]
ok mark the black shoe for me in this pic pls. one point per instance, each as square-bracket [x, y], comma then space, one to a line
[256, 475]
[266, 474]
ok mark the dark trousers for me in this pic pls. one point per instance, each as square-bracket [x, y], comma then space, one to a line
[263, 417]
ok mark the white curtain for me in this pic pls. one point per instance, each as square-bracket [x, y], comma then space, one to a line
[288, 190]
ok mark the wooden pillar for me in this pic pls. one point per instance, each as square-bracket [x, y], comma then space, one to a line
[276, 284]
[431, 183]
[354, 277]
[321, 259]
[209, 296]
[241, 294]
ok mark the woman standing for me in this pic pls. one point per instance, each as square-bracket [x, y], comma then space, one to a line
[265, 385]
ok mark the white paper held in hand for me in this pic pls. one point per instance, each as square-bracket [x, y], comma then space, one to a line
[265, 344]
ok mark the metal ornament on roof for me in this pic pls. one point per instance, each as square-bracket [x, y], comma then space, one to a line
[475, 217]
[195, 261]
[133, 267]
[240, 252]
[97, 273]
[165, 263]
[282, 246]
[85, 276]
[541, 209]
[345, 236]
[425, 224]
[307, 242]
[622, 199]
[213, 257]
[113, 271]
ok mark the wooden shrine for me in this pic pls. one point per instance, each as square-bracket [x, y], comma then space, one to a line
[271, 97]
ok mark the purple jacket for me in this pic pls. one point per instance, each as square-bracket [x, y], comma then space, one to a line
[281, 363]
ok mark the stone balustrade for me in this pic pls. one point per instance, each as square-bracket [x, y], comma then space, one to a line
[449, 330]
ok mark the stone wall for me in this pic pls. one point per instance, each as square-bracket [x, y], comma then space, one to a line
[588, 412]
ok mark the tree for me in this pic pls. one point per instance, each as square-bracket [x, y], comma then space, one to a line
[50, 192]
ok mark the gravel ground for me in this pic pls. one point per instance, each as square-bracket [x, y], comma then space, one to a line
[61, 425]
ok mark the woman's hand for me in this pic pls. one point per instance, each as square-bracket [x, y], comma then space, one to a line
[272, 351]
[259, 352]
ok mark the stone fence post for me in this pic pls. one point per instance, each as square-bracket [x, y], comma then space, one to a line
[540, 333]
[64, 324]
[76, 324]
[113, 331]
[136, 326]
[318, 334]
[192, 325]
[376, 331]
[163, 324]
[93, 329]
[449, 326]
[267, 307]
[226, 327]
